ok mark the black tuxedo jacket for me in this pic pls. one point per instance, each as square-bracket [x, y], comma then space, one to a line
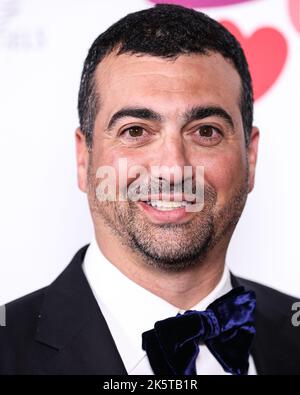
[60, 330]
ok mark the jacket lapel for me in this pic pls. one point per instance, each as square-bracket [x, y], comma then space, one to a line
[72, 330]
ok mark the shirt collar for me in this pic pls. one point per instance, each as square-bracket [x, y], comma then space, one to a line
[130, 309]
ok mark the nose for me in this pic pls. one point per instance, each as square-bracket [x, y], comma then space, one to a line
[171, 158]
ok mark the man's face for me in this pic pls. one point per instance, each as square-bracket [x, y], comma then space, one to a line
[189, 115]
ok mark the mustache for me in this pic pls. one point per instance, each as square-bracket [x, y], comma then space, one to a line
[158, 186]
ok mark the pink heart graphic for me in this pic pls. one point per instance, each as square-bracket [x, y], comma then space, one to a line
[266, 52]
[294, 9]
[200, 3]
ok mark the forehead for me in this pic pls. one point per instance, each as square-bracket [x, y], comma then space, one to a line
[196, 79]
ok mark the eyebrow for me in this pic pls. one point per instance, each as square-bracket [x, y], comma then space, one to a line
[201, 112]
[135, 112]
[192, 114]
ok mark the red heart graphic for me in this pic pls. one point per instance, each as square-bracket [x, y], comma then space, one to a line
[266, 52]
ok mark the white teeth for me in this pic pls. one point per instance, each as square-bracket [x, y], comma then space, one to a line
[166, 205]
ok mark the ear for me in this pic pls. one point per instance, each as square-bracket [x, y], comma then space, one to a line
[252, 150]
[82, 157]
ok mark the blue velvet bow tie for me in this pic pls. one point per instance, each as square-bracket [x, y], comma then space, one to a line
[226, 327]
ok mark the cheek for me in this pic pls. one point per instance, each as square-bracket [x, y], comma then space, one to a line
[225, 173]
[121, 160]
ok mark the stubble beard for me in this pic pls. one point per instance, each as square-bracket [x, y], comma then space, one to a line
[171, 247]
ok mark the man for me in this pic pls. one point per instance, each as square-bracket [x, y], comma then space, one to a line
[165, 88]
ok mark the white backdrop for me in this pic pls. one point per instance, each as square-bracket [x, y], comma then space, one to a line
[44, 218]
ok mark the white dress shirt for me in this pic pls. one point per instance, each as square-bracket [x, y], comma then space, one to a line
[130, 310]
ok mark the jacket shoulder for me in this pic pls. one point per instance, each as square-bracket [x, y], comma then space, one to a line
[269, 298]
[19, 345]
[276, 349]
[17, 336]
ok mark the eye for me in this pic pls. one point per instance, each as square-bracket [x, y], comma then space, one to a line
[208, 135]
[206, 131]
[133, 132]
[135, 135]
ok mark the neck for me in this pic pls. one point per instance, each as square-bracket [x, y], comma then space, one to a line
[181, 289]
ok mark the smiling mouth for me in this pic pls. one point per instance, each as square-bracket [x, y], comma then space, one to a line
[164, 205]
